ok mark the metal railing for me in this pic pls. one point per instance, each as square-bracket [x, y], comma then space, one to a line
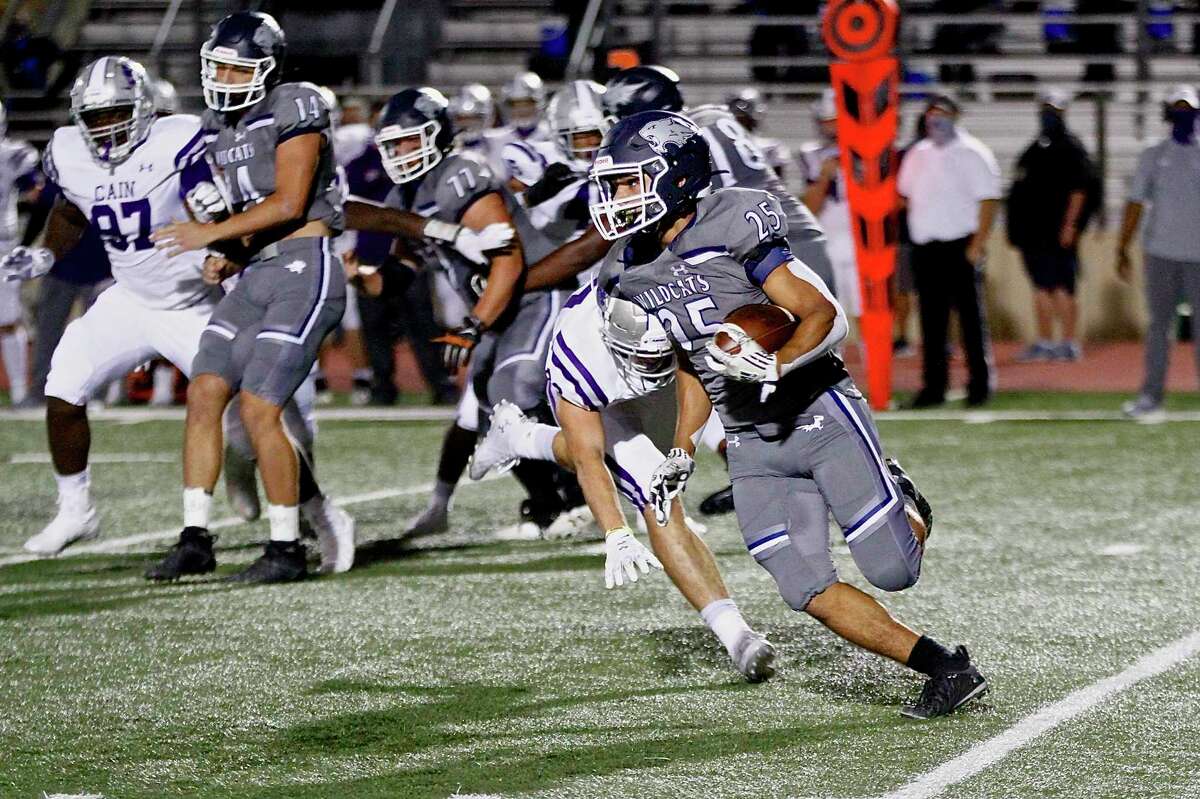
[164, 33]
[586, 39]
[378, 34]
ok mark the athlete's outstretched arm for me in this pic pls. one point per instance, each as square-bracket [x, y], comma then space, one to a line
[366, 215]
[568, 260]
[296, 163]
[694, 406]
[584, 433]
[822, 322]
[507, 267]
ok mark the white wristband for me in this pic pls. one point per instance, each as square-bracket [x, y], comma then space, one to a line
[442, 231]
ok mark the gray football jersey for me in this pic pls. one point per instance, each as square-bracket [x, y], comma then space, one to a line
[739, 161]
[445, 193]
[242, 152]
[715, 266]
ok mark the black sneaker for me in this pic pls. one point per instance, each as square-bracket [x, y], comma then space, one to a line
[909, 489]
[944, 693]
[192, 555]
[719, 502]
[282, 562]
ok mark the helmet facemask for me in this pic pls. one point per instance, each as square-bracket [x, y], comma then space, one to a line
[639, 345]
[113, 132]
[617, 216]
[582, 155]
[230, 96]
[402, 165]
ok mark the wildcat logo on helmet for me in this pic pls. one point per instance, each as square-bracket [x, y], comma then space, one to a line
[663, 132]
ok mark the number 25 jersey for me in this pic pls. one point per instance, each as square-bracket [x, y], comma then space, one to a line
[126, 202]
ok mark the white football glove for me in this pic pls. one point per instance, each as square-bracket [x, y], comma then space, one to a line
[669, 481]
[624, 555]
[470, 244]
[751, 364]
[206, 203]
[26, 263]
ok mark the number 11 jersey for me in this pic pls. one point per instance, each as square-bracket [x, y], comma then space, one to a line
[124, 203]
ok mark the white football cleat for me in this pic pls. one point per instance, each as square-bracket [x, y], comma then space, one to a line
[754, 657]
[495, 450]
[577, 524]
[335, 535]
[73, 522]
[241, 485]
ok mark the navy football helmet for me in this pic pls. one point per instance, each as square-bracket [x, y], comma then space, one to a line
[637, 89]
[417, 117]
[650, 165]
[247, 40]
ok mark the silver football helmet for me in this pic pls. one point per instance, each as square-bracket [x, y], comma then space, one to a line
[471, 111]
[577, 109]
[112, 106]
[523, 99]
[639, 344]
[166, 99]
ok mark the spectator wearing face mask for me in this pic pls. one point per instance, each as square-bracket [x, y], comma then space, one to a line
[1166, 187]
[950, 183]
[1048, 206]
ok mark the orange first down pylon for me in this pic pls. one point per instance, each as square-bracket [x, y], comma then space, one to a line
[861, 33]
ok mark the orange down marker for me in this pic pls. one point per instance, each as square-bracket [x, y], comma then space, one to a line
[861, 34]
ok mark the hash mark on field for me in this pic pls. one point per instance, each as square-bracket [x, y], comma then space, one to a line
[986, 753]
[112, 544]
[1121, 550]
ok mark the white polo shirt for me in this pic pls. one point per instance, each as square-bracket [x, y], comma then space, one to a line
[944, 186]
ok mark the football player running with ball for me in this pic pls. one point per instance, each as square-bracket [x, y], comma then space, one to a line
[801, 440]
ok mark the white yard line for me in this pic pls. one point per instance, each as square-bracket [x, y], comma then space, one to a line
[991, 751]
[43, 458]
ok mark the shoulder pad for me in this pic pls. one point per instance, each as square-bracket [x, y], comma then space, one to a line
[298, 108]
[744, 219]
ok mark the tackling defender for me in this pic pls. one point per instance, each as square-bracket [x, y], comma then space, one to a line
[609, 376]
[19, 182]
[801, 440]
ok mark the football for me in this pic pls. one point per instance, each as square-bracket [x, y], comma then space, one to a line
[769, 325]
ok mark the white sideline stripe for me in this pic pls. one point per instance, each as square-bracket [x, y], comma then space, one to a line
[102, 457]
[111, 544]
[983, 755]
[422, 413]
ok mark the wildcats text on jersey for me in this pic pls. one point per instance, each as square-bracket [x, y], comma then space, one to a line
[675, 290]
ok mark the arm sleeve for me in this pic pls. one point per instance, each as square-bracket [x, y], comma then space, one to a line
[464, 182]
[841, 325]
[1142, 187]
[757, 237]
[299, 109]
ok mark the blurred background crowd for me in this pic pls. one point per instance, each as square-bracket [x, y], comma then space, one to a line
[1050, 174]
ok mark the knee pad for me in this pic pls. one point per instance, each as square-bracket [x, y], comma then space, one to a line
[890, 557]
[798, 581]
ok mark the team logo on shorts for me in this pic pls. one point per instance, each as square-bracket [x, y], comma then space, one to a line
[296, 267]
[816, 425]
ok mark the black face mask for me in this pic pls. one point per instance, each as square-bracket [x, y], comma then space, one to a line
[1052, 123]
[1183, 125]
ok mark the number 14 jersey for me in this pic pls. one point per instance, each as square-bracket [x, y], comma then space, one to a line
[126, 202]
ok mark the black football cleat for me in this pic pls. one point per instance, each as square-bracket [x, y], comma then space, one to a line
[193, 554]
[909, 489]
[541, 512]
[945, 692]
[281, 562]
[718, 502]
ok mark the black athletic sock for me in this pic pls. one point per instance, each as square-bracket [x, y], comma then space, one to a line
[456, 451]
[930, 657]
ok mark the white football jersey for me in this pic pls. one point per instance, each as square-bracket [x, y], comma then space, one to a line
[351, 141]
[579, 367]
[835, 213]
[494, 140]
[527, 160]
[17, 160]
[127, 202]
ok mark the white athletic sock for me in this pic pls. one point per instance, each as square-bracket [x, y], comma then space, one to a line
[537, 444]
[164, 385]
[14, 351]
[725, 620]
[75, 489]
[197, 507]
[285, 522]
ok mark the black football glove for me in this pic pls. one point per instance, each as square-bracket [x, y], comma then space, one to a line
[458, 343]
[556, 178]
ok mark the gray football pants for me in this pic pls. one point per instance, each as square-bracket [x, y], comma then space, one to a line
[1167, 282]
[510, 364]
[788, 478]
